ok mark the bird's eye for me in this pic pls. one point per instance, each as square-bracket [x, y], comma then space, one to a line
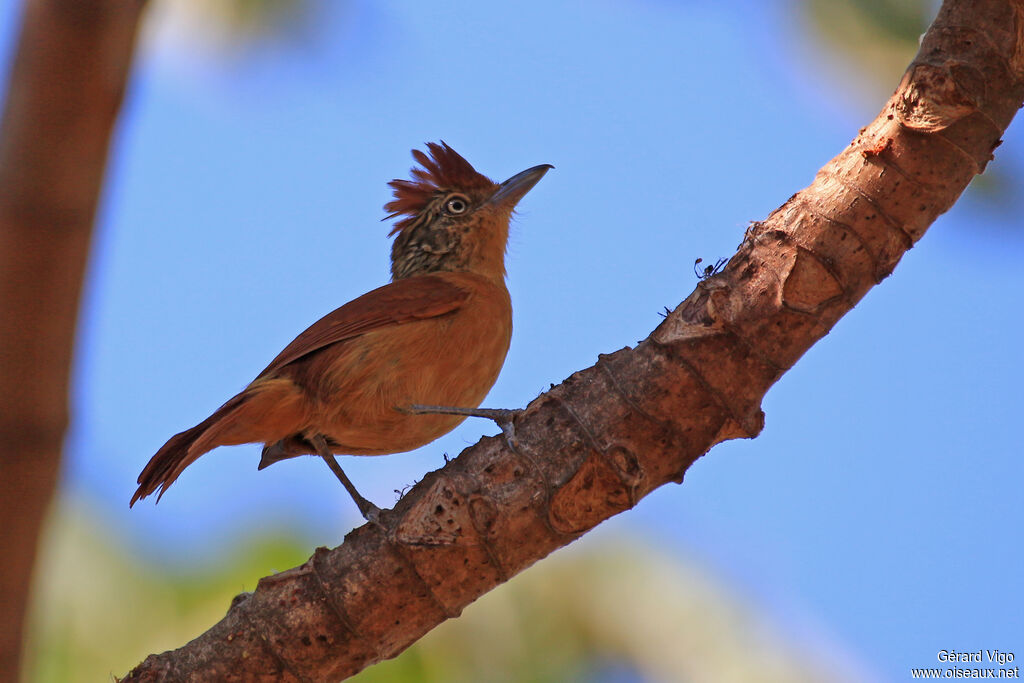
[456, 205]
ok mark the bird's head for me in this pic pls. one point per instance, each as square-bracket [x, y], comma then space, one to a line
[453, 218]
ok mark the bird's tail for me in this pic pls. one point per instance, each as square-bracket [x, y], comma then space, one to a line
[180, 451]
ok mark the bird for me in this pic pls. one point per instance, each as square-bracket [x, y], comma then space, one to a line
[399, 366]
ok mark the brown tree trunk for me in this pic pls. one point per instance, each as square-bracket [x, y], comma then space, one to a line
[66, 84]
[607, 436]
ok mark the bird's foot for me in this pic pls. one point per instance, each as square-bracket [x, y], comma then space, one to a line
[369, 511]
[503, 417]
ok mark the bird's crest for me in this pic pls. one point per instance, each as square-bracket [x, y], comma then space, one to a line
[443, 169]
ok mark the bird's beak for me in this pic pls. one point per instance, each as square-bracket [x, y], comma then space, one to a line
[512, 190]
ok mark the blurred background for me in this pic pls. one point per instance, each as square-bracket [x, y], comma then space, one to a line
[876, 520]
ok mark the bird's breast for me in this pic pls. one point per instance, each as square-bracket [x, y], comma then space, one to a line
[450, 360]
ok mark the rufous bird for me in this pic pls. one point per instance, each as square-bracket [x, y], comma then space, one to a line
[399, 366]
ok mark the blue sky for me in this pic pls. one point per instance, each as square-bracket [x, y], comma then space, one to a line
[880, 509]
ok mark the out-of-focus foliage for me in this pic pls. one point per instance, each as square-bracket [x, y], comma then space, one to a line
[226, 25]
[880, 36]
[611, 611]
[252, 16]
[99, 608]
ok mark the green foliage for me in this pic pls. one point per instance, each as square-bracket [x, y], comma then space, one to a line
[879, 36]
[230, 25]
[99, 609]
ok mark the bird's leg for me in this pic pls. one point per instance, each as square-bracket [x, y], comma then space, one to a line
[503, 417]
[368, 510]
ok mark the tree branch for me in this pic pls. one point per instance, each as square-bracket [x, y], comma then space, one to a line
[610, 434]
[66, 85]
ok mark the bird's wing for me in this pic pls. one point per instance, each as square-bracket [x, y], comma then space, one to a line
[402, 301]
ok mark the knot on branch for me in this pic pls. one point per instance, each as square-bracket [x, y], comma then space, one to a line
[931, 99]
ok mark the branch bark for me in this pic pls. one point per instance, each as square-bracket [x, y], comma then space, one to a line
[610, 434]
[66, 86]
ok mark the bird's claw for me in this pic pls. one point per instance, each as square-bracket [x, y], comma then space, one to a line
[508, 429]
[371, 513]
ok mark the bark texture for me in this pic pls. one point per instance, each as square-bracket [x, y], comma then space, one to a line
[610, 434]
[66, 85]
